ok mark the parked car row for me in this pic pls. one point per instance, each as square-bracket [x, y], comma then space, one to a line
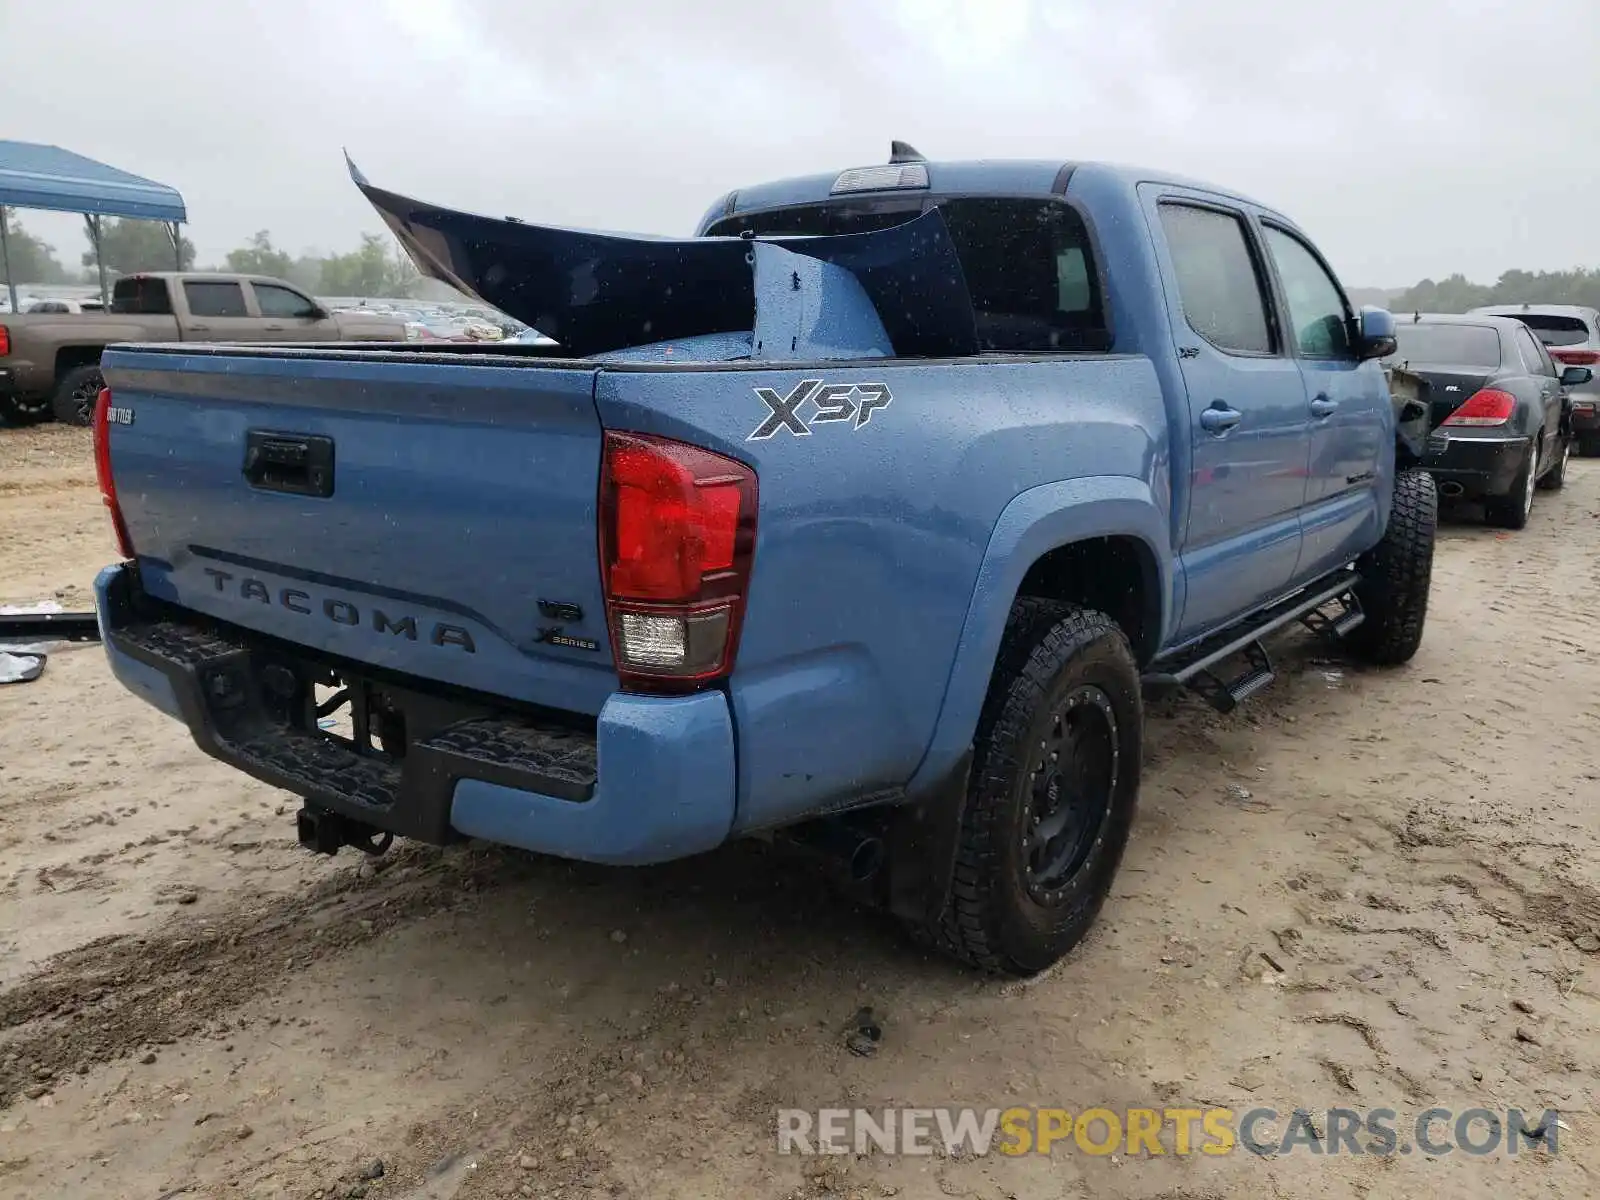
[50, 361]
[1502, 402]
[1572, 336]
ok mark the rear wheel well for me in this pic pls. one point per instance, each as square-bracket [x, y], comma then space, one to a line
[1116, 575]
[71, 357]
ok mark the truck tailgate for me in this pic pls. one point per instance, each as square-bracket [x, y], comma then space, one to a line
[427, 517]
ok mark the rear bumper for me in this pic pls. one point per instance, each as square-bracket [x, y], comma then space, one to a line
[1474, 467]
[653, 779]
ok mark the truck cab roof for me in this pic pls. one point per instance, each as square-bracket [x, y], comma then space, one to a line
[976, 177]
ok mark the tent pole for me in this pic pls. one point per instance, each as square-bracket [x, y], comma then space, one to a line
[177, 244]
[93, 221]
[5, 259]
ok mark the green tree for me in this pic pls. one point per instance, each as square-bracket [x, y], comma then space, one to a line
[1456, 293]
[31, 260]
[260, 258]
[375, 269]
[305, 272]
[129, 246]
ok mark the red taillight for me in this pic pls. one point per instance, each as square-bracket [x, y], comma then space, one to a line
[1491, 406]
[5, 341]
[102, 470]
[1575, 358]
[677, 531]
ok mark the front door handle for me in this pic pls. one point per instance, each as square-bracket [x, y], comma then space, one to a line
[200, 328]
[1323, 406]
[1219, 418]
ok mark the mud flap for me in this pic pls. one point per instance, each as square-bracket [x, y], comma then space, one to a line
[921, 839]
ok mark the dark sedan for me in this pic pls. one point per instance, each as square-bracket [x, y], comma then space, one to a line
[1498, 407]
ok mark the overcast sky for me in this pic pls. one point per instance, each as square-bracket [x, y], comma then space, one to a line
[1411, 137]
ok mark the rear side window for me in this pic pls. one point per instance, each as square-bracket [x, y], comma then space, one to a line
[1448, 345]
[1219, 282]
[1029, 264]
[1555, 330]
[137, 294]
[207, 299]
[1534, 355]
[1029, 269]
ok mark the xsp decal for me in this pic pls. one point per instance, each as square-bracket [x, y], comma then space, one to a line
[783, 416]
[831, 402]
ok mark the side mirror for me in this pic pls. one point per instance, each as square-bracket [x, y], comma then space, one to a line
[1376, 337]
[1576, 376]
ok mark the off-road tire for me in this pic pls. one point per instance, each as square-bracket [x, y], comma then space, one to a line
[1555, 476]
[1059, 665]
[14, 410]
[75, 395]
[1512, 510]
[1396, 575]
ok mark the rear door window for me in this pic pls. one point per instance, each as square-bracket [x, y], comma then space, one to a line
[1219, 280]
[209, 298]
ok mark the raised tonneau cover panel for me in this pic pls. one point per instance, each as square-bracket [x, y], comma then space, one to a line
[598, 292]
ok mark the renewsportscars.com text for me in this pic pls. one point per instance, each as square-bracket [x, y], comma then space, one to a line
[1158, 1131]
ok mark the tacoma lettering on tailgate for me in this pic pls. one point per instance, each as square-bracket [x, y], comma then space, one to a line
[340, 612]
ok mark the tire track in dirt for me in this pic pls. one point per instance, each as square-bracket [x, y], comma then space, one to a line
[124, 994]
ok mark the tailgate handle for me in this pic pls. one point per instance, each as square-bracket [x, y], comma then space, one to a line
[299, 464]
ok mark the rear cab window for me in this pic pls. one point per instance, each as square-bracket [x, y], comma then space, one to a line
[212, 298]
[1447, 345]
[1029, 263]
[141, 295]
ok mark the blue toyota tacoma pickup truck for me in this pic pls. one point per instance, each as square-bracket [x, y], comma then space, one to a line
[862, 518]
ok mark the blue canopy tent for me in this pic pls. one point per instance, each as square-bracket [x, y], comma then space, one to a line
[48, 177]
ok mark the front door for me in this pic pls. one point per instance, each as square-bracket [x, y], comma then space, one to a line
[1348, 406]
[1247, 409]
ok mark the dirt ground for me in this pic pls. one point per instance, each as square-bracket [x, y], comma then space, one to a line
[1367, 889]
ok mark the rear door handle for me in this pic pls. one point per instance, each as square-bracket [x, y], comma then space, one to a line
[1219, 418]
[1323, 406]
[273, 328]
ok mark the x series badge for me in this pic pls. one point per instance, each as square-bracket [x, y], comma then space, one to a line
[852, 402]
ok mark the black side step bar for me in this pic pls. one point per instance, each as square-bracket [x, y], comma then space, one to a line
[1192, 668]
[50, 627]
